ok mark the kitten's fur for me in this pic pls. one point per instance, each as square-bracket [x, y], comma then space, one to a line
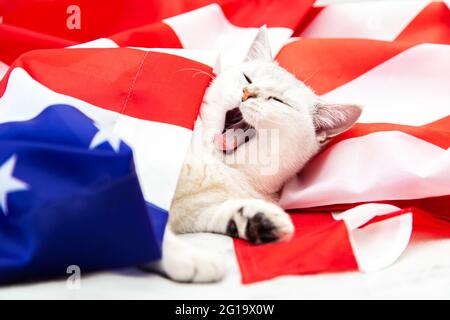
[214, 194]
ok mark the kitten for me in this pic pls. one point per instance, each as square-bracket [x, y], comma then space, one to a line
[255, 109]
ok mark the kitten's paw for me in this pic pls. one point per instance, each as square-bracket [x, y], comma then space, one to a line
[194, 266]
[184, 263]
[260, 221]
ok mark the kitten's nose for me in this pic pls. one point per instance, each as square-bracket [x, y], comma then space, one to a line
[247, 94]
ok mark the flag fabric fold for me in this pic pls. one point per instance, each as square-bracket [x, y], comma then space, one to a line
[387, 177]
[52, 218]
[140, 69]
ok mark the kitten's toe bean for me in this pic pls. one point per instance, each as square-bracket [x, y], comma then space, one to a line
[262, 222]
[266, 227]
[260, 229]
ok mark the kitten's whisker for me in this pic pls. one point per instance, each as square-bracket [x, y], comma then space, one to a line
[203, 72]
[198, 72]
[311, 76]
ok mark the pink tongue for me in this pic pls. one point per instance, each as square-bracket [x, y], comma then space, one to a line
[229, 140]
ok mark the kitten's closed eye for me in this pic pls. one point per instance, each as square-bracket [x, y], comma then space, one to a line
[278, 100]
[269, 98]
[247, 78]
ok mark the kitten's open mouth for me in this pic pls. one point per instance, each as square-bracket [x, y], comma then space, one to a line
[235, 133]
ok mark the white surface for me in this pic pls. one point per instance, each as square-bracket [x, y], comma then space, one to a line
[423, 271]
[208, 57]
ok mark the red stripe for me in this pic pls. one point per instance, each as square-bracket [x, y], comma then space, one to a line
[319, 244]
[438, 207]
[14, 41]
[386, 217]
[156, 35]
[423, 222]
[430, 225]
[431, 25]
[146, 85]
[100, 18]
[273, 13]
[437, 133]
[325, 64]
[43, 23]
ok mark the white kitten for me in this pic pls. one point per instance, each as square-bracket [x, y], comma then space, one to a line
[251, 112]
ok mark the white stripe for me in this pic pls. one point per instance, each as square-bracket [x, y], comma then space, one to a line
[159, 149]
[411, 88]
[208, 57]
[98, 43]
[208, 28]
[379, 244]
[3, 69]
[387, 165]
[380, 20]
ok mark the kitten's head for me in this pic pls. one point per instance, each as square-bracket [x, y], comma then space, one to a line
[259, 95]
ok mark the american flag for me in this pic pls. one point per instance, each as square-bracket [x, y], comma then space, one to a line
[99, 99]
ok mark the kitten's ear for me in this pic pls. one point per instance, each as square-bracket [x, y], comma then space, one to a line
[332, 119]
[260, 48]
[218, 65]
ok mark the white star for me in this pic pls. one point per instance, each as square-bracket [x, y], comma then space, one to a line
[105, 134]
[8, 183]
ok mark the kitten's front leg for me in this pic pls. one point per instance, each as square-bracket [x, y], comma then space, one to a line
[182, 262]
[255, 220]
